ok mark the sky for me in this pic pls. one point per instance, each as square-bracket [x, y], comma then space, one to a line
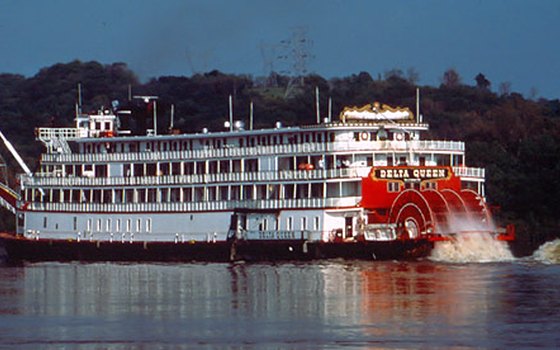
[513, 41]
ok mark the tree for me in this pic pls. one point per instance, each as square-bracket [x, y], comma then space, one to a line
[393, 73]
[505, 88]
[412, 75]
[481, 82]
[451, 78]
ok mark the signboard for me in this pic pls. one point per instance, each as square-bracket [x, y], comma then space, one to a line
[376, 112]
[411, 173]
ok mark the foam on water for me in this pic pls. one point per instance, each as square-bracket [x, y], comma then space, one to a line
[472, 242]
[549, 252]
[471, 247]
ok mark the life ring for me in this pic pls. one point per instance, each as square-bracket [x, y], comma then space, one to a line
[399, 136]
[364, 136]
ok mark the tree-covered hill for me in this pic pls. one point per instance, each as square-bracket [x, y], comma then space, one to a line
[516, 139]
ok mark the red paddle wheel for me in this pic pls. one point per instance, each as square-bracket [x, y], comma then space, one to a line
[422, 212]
[412, 213]
[438, 214]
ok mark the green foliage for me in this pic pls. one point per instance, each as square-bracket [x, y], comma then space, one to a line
[515, 139]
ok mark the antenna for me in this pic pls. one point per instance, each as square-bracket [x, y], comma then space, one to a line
[172, 117]
[317, 105]
[251, 116]
[230, 113]
[79, 99]
[155, 117]
[418, 118]
[330, 109]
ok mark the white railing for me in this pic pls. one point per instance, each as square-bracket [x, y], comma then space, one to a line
[478, 173]
[47, 134]
[305, 203]
[235, 152]
[263, 176]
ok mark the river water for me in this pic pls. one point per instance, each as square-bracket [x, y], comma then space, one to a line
[431, 304]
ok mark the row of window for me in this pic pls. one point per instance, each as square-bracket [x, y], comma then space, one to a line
[196, 194]
[243, 165]
[207, 142]
[265, 225]
[106, 225]
[145, 225]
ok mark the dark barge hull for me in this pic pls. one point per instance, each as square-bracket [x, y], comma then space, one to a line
[16, 249]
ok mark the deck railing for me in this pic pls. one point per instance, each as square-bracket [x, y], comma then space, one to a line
[305, 203]
[468, 172]
[262, 176]
[226, 178]
[237, 152]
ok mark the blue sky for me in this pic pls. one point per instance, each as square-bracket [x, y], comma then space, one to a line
[507, 40]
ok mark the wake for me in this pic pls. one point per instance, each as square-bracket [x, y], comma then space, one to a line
[548, 253]
[472, 247]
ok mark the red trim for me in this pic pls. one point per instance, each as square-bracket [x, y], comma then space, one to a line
[180, 212]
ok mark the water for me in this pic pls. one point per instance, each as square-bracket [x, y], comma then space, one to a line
[320, 305]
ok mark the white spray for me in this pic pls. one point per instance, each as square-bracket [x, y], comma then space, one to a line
[472, 241]
[548, 253]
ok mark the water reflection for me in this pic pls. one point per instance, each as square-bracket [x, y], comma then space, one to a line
[293, 305]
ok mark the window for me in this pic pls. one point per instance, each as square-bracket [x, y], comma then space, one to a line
[248, 192]
[289, 223]
[108, 226]
[333, 190]
[45, 222]
[148, 225]
[98, 225]
[138, 225]
[128, 225]
[316, 223]
[75, 223]
[430, 185]
[393, 186]
[118, 225]
[304, 223]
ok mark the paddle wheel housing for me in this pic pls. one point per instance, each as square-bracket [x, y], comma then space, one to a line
[425, 203]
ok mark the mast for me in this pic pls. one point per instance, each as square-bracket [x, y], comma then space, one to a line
[172, 117]
[251, 116]
[330, 110]
[155, 117]
[79, 98]
[317, 105]
[230, 113]
[418, 118]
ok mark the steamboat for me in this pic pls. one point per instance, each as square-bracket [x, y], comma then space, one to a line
[364, 186]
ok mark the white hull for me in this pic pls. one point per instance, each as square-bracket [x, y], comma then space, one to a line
[311, 225]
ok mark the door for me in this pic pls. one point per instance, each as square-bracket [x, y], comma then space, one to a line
[348, 224]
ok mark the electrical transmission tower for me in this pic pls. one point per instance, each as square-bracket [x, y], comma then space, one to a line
[295, 55]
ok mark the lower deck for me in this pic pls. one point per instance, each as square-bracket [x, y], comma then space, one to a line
[248, 224]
